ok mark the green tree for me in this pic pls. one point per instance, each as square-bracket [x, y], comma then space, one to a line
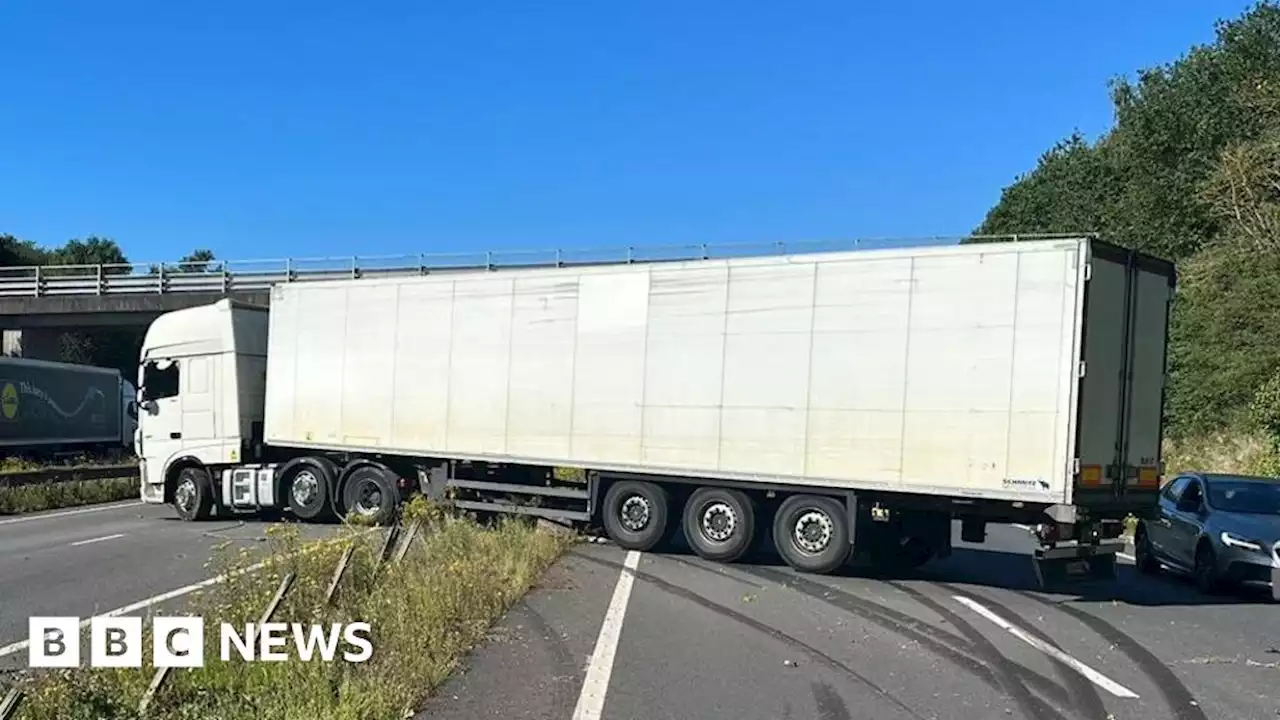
[1190, 170]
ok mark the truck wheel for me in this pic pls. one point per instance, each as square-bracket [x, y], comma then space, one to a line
[192, 496]
[369, 493]
[811, 534]
[635, 514]
[307, 488]
[719, 523]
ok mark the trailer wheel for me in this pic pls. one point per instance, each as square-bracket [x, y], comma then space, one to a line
[719, 523]
[369, 493]
[635, 514]
[811, 534]
[192, 498]
[307, 488]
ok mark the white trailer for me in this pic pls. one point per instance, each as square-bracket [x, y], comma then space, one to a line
[848, 401]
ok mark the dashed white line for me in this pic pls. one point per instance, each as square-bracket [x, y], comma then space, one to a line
[21, 645]
[65, 513]
[142, 604]
[1094, 676]
[90, 541]
[596, 684]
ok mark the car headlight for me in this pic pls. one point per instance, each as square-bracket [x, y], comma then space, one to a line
[1233, 540]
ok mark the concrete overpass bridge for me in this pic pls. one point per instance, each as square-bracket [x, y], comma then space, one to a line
[39, 303]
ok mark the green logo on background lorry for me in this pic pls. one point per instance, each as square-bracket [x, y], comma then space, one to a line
[9, 401]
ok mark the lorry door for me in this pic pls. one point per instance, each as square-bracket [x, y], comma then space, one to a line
[1121, 411]
[160, 416]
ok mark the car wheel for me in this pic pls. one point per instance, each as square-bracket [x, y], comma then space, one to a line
[1143, 558]
[1206, 570]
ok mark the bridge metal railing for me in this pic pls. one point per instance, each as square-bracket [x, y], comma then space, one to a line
[222, 276]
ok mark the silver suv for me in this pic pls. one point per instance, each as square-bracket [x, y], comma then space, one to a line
[1223, 529]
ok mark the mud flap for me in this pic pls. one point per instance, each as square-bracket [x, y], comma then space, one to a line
[1060, 565]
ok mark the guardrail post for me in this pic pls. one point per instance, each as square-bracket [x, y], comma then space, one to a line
[355, 270]
[288, 269]
[226, 279]
[37, 281]
[160, 279]
[12, 700]
[422, 264]
[102, 284]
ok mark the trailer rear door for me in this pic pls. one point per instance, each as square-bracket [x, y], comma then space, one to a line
[1121, 412]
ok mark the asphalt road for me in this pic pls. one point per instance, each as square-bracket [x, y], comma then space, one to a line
[87, 561]
[968, 638]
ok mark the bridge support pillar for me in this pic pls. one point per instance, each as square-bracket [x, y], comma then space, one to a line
[34, 343]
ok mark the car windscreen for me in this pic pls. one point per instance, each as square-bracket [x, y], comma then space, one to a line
[1239, 496]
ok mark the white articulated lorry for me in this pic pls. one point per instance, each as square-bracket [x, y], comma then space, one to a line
[848, 402]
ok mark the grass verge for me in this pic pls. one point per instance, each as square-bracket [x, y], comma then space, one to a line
[33, 498]
[426, 612]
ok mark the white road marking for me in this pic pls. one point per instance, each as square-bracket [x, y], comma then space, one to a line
[21, 645]
[596, 684]
[1094, 676]
[142, 604]
[97, 539]
[82, 511]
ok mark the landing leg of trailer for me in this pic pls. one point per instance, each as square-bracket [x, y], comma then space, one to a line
[1064, 563]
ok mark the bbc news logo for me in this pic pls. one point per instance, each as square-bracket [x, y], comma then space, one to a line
[179, 642]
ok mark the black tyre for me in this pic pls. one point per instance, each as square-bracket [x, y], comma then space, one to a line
[719, 523]
[1206, 570]
[193, 494]
[1143, 559]
[368, 492]
[306, 486]
[635, 514]
[812, 534]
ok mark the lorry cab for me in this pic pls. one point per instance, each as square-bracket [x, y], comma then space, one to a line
[201, 378]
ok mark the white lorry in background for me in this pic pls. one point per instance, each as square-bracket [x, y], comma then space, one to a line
[851, 402]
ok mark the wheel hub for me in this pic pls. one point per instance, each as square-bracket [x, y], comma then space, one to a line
[635, 513]
[185, 495]
[719, 522]
[305, 487]
[813, 532]
[370, 498]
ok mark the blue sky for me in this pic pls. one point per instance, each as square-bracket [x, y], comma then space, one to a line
[271, 129]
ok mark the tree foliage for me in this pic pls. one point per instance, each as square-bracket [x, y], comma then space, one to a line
[1190, 170]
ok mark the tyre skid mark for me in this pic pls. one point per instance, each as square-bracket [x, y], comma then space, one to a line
[1084, 694]
[940, 642]
[727, 612]
[1175, 694]
[1005, 669]
[563, 695]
